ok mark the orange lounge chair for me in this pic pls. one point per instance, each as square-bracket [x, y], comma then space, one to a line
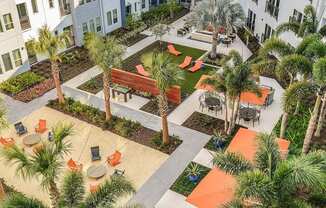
[74, 166]
[41, 128]
[173, 51]
[142, 71]
[186, 62]
[93, 188]
[7, 142]
[198, 65]
[114, 159]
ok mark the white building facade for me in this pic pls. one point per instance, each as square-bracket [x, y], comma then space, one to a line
[264, 16]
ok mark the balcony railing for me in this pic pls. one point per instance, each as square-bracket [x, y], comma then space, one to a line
[24, 23]
[272, 10]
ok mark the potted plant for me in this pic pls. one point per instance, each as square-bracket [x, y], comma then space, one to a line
[219, 139]
[193, 171]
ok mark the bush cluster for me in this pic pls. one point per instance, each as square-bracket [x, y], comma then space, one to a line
[20, 82]
[158, 13]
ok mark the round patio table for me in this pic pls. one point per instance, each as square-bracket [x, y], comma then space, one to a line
[31, 139]
[212, 101]
[248, 114]
[96, 171]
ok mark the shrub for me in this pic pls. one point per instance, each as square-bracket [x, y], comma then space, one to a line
[126, 127]
[20, 82]
[158, 13]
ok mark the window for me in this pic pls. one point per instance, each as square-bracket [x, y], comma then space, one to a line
[81, 2]
[8, 21]
[135, 6]
[268, 32]
[91, 25]
[51, 4]
[115, 16]
[85, 28]
[143, 4]
[87, 1]
[17, 57]
[297, 16]
[109, 17]
[34, 6]
[1, 28]
[98, 24]
[251, 20]
[6, 61]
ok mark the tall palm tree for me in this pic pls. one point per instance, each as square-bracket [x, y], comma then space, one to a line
[106, 53]
[309, 25]
[166, 73]
[50, 45]
[270, 181]
[46, 164]
[319, 75]
[218, 14]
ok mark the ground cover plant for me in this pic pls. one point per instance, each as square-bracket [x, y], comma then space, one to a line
[183, 185]
[121, 126]
[152, 107]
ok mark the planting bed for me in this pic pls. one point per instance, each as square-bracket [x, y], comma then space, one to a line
[152, 107]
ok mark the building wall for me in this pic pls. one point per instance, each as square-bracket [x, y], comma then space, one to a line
[10, 40]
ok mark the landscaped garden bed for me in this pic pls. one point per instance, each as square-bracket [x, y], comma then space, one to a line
[129, 37]
[153, 108]
[121, 126]
[94, 85]
[183, 185]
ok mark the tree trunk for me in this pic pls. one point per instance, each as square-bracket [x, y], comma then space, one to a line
[231, 117]
[226, 119]
[235, 115]
[163, 105]
[311, 126]
[106, 92]
[321, 117]
[284, 124]
[56, 78]
[2, 191]
[214, 44]
[54, 194]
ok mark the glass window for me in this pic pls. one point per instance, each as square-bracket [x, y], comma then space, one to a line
[143, 4]
[51, 4]
[135, 6]
[34, 6]
[98, 24]
[81, 2]
[17, 57]
[91, 25]
[109, 17]
[6, 61]
[115, 16]
[8, 21]
[85, 28]
[1, 28]
[87, 1]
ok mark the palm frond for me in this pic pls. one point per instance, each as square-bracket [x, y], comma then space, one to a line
[231, 163]
[236, 203]
[275, 45]
[319, 72]
[288, 26]
[60, 132]
[306, 41]
[73, 190]
[17, 200]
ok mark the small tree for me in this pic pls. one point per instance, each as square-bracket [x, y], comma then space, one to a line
[159, 30]
[173, 5]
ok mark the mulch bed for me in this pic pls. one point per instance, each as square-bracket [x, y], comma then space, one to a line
[118, 33]
[94, 85]
[152, 107]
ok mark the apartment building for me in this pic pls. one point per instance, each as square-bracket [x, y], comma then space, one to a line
[263, 16]
[20, 21]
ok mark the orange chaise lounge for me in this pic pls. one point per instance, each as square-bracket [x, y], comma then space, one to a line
[186, 62]
[173, 51]
[142, 71]
[198, 65]
[74, 166]
[41, 127]
[114, 159]
[7, 142]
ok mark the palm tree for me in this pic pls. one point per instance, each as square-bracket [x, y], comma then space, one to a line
[166, 73]
[218, 14]
[319, 75]
[106, 53]
[46, 164]
[18, 200]
[172, 4]
[50, 45]
[269, 181]
[309, 25]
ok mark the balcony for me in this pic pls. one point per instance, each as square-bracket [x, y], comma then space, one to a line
[272, 10]
[24, 23]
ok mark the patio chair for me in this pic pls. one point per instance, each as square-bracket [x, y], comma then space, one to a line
[7, 142]
[270, 97]
[186, 62]
[95, 153]
[257, 118]
[118, 172]
[142, 71]
[74, 166]
[20, 128]
[114, 159]
[41, 126]
[173, 51]
[198, 65]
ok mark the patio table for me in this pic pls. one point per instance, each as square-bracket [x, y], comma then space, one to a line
[31, 139]
[96, 171]
[212, 101]
[247, 114]
[121, 89]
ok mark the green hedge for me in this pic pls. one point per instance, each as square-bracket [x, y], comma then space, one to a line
[162, 11]
[21, 82]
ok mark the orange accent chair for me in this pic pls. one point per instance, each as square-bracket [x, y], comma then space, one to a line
[186, 62]
[93, 188]
[7, 142]
[74, 166]
[173, 51]
[114, 159]
[41, 128]
[198, 65]
[142, 71]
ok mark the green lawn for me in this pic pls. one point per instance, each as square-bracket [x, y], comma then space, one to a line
[190, 78]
